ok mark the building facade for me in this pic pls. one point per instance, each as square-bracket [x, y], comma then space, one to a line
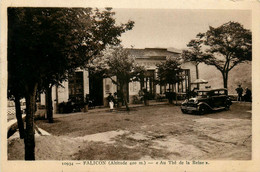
[84, 83]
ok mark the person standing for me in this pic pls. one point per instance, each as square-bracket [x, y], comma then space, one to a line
[115, 99]
[248, 95]
[145, 95]
[111, 100]
[239, 93]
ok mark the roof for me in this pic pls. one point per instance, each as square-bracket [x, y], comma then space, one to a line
[165, 49]
[212, 89]
[153, 58]
[199, 81]
[172, 49]
[152, 53]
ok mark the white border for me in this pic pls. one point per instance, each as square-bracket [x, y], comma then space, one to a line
[252, 165]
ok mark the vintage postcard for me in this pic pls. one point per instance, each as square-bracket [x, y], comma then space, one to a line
[130, 85]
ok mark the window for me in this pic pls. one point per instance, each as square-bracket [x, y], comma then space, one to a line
[76, 93]
[222, 92]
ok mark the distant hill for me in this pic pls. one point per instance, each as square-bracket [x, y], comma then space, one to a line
[241, 74]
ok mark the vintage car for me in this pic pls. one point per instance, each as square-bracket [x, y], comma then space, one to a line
[206, 101]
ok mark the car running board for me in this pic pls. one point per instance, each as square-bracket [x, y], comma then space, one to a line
[220, 108]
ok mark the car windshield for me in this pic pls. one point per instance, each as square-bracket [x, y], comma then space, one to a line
[202, 94]
[220, 92]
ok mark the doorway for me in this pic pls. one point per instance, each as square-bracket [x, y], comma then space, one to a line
[148, 82]
[96, 88]
[76, 93]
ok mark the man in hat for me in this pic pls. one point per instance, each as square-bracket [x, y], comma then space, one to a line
[239, 93]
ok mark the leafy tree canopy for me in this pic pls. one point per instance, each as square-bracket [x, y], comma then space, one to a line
[45, 44]
[223, 47]
[168, 72]
[116, 62]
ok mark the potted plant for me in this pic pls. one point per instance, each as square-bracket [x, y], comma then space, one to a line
[146, 97]
[170, 96]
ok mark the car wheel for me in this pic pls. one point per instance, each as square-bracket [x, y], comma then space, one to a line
[202, 110]
[184, 111]
[227, 107]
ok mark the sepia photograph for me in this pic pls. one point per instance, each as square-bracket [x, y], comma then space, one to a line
[115, 86]
[129, 84]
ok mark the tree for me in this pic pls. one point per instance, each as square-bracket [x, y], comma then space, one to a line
[169, 73]
[224, 47]
[116, 62]
[194, 54]
[46, 87]
[101, 31]
[45, 44]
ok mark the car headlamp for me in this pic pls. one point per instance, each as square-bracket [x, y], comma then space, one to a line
[185, 101]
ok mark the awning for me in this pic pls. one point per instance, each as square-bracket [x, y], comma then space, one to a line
[199, 81]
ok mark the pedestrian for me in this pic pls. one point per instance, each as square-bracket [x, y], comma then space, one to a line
[146, 97]
[115, 99]
[111, 100]
[141, 94]
[248, 95]
[239, 93]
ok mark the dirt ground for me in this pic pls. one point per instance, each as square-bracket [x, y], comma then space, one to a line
[144, 133]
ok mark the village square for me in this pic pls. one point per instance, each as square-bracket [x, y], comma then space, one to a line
[129, 84]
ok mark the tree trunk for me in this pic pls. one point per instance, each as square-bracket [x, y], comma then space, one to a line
[197, 74]
[57, 98]
[49, 107]
[29, 140]
[225, 79]
[123, 90]
[176, 99]
[19, 116]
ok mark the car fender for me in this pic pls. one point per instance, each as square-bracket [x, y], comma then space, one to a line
[204, 104]
[229, 101]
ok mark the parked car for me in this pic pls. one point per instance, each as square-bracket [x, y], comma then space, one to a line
[206, 101]
[11, 109]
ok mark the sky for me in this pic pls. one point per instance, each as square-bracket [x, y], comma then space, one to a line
[164, 28]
